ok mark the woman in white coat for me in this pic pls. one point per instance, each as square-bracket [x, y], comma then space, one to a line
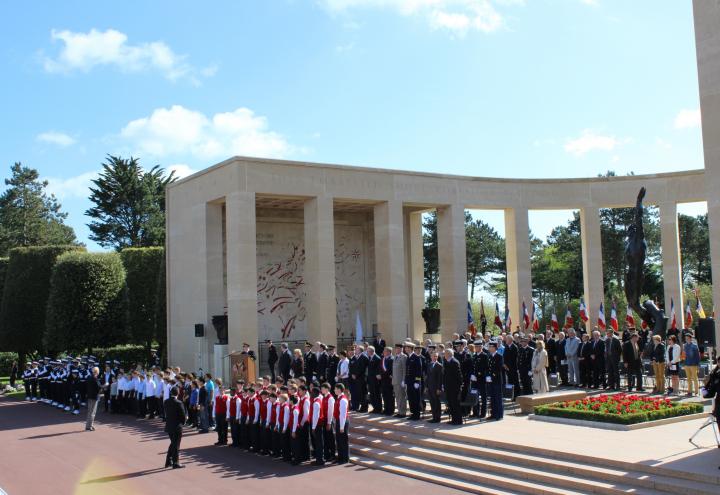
[539, 363]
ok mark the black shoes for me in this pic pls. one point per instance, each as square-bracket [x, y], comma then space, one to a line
[177, 466]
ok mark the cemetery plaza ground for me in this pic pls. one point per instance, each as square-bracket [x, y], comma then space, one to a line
[46, 451]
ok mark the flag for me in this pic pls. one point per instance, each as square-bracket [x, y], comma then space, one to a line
[629, 318]
[583, 310]
[358, 328]
[498, 322]
[673, 319]
[554, 322]
[568, 318]
[508, 320]
[526, 317]
[535, 321]
[471, 321]
[613, 317]
[698, 308]
[688, 316]
[601, 317]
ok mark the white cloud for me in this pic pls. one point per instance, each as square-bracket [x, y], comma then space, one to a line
[590, 141]
[178, 131]
[457, 16]
[72, 187]
[53, 137]
[85, 51]
[662, 143]
[688, 119]
[181, 170]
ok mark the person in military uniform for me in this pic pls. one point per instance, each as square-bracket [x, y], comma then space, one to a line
[494, 381]
[399, 373]
[524, 366]
[467, 368]
[414, 381]
[481, 366]
[26, 380]
[43, 379]
[453, 385]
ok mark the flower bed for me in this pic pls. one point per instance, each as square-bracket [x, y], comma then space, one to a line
[619, 408]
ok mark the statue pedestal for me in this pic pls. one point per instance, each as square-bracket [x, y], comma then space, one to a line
[221, 363]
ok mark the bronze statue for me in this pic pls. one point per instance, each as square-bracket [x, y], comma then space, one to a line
[635, 249]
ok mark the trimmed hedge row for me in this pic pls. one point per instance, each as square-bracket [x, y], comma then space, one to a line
[623, 419]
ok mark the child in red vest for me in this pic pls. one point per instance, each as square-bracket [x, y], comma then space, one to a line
[285, 416]
[262, 446]
[328, 405]
[340, 417]
[233, 414]
[317, 426]
[220, 413]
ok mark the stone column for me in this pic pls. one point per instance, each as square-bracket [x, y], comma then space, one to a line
[214, 272]
[241, 270]
[319, 272]
[517, 252]
[390, 285]
[672, 269]
[594, 287]
[415, 273]
[707, 45]
[453, 269]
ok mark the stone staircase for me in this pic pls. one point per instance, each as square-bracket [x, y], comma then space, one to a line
[488, 466]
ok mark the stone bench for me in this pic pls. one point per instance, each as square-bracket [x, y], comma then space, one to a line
[527, 403]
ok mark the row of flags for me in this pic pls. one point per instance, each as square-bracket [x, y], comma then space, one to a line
[530, 319]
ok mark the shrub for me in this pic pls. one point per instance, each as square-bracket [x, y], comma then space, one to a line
[126, 354]
[22, 314]
[85, 306]
[142, 268]
[3, 271]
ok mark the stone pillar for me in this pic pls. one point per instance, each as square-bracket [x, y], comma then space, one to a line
[319, 272]
[707, 45]
[672, 269]
[241, 270]
[390, 284]
[594, 287]
[214, 279]
[517, 252]
[415, 273]
[453, 269]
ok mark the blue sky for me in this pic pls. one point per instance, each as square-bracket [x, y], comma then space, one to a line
[510, 88]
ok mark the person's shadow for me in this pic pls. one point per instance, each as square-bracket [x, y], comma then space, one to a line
[119, 477]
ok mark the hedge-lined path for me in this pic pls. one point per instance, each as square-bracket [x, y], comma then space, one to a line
[45, 451]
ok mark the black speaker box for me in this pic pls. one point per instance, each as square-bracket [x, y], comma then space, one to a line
[705, 333]
[199, 330]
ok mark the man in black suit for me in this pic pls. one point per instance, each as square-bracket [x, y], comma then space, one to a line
[272, 358]
[510, 358]
[597, 358]
[494, 382]
[379, 343]
[284, 362]
[524, 366]
[613, 351]
[374, 376]
[332, 365]
[310, 364]
[434, 383]
[551, 348]
[632, 361]
[322, 362]
[585, 360]
[561, 359]
[481, 366]
[453, 384]
[175, 418]
[386, 385]
[414, 381]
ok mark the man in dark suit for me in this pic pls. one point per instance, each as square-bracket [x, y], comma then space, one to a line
[284, 362]
[374, 376]
[551, 348]
[311, 364]
[632, 360]
[332, 365]
[510, 358]
[585, 360]
[379, 343]
[272, 358]
[561, 359]
[434, 383]
[358, 377]
[494, 382]
[386, 385]
[524, 366]
[481, 365]
[322, 362]
[597, 358]
[453, 383]
[613, 351]
[414, 381]
[175, 418]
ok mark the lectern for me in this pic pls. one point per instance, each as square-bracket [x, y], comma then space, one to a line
[242, 368]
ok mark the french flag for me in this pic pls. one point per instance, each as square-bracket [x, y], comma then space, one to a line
[526, 317]
[688, 316]
[629, 318]
[673, 319]
[613, 318]
[568, 318]
[583, 310]
[555, 323]
[601, 317]
[498, 322]
[535, 321]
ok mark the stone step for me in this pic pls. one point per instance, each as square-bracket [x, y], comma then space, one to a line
[486, 478]
[450, 433]
[363, 434]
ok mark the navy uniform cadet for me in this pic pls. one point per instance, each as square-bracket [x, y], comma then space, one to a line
[26, 380]
[83, 374]
[481, 366]
[43, 377]
[467, 367]
[74, 382]
[494, 382]
[414, 381]
[34, 381]
[52, 383]
[109, 377]
[524, 366]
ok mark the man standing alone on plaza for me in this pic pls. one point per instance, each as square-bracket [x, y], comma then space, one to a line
[94, 389]
[174, 420]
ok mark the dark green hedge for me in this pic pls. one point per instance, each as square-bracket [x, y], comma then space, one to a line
[3, 272]
[126, 354]
[85, 306]
[22, 313]
[142, 266]
[625, 419]
[161, 313]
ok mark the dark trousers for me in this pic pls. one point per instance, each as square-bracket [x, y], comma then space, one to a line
[388, 398]
[526, 382]
[221, 428]
[304, 434]
[361, 401]
[328, 443]
[174, 449]
[585, 373]
[375, 396]
[341, 439]
[634, 378]
[454, 409]
[106, 398]
[613, 373]
[563, 371]
[414, 400]
[253, 436]
[276, 443]
[480, 409]
[234, 432]
[286, 446]
[296, 444]
[435, 406]
[272, 372]
[26, 384]
[141, 407]
[512, 378]
[243, 434]
[598, 373]
[318, 435]
[496, 400]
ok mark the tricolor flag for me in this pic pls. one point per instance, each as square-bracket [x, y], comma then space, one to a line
[471, 321]
[554, 322]
[698, 308]
[508, 320]
[526, 317]
[673, 319]
[583, 310]
[498, 322]
[688, 316]
[613, 317]
[601, 317]
[568, 318]
[535, 322]
[629, 318]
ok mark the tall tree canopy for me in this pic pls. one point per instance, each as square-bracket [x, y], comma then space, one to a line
[129, 204]
[28, 215]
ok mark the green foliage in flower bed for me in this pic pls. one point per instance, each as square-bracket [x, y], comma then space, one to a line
[619, 409]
